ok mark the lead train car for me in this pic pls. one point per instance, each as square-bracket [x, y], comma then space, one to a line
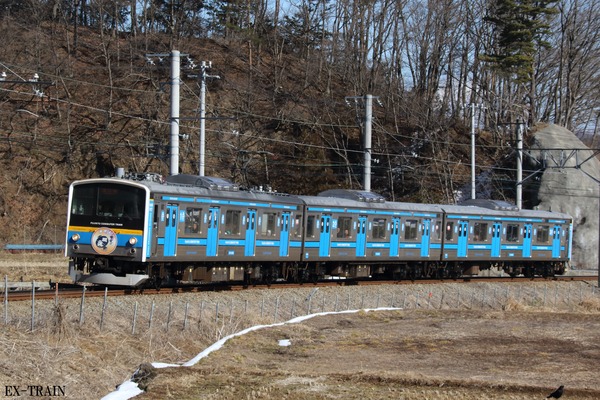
[198, 229]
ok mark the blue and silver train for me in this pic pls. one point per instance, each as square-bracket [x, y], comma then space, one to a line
[143, 230]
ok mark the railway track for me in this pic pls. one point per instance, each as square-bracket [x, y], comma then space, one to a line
[71, 292]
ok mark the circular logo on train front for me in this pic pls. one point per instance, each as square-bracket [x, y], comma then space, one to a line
[104, 240]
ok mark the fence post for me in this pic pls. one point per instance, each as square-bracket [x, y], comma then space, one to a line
[293, 310]
[6, 299]
[32, 305]
[185, 318]
[276, 310]
[103, 308]
[135, 308]
[231, 312]
[417, 300]
[151, 316]
[201, 312]
[169, 315]
[81, 306]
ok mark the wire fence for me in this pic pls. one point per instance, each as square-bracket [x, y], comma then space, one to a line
[224, 312]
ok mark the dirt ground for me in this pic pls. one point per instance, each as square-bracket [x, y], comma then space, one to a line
[414, 354]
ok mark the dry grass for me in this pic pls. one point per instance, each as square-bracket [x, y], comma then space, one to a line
[350, 356]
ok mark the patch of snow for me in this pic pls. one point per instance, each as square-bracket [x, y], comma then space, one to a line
[129, 389]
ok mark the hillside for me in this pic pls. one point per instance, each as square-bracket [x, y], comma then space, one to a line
[272, 119]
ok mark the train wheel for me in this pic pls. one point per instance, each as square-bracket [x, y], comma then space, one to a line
[157, 283]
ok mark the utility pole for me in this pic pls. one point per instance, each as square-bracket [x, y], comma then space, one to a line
[203, 75]
[368, 121]
[175, 80]
[480, 107]
[519, 195]
[175, 83]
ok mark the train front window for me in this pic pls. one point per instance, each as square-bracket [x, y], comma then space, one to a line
[108, 204]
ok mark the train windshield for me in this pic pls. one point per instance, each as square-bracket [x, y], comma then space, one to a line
[108, 204]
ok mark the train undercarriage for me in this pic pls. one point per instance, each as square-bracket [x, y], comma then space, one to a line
[114, 272]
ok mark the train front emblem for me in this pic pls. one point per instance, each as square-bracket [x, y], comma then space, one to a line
[104, 241]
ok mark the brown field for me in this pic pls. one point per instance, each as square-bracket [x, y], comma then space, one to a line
[414, 354]
[520, 343]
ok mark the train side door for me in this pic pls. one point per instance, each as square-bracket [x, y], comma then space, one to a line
[284, 236]
[527, 229]
[425, 238]
[170, 246]
[212, 239]
[250, 244]
[394, 237]
[325, 236]
[556, 241]
[463, 238]
[361, 236]
[496, 232]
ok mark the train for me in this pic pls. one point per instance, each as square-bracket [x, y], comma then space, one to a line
[145, 230]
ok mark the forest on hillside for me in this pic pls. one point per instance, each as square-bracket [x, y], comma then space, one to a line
[85, 89]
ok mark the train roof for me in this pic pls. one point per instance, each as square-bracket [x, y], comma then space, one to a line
[353, 199]
[181, 186]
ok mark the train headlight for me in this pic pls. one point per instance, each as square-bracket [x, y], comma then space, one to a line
[132, 241]
[75, 237]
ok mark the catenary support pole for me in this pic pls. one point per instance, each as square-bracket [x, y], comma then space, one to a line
[473, 192]
[519, 199]
[175, 80]
[367, 134]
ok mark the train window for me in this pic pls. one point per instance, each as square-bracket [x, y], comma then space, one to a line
[543, 234]
[344, 227]
[379, 225]
[192, 220]
[480, 231]
[310, 226]
[411, 228]
[512, 233]
[297, 226]
[232, 222]
[268, 224]
[449, 230]
[437, 230]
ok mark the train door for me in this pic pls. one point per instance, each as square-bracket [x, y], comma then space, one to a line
[212, 239]
[250, 243]
[556, 242]
[496, 232]
[425, 238]
[463, 238]
[284, 237]
[170, 247]
[325, 236]
[361, 236]
[527, 229]
[394, 237]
